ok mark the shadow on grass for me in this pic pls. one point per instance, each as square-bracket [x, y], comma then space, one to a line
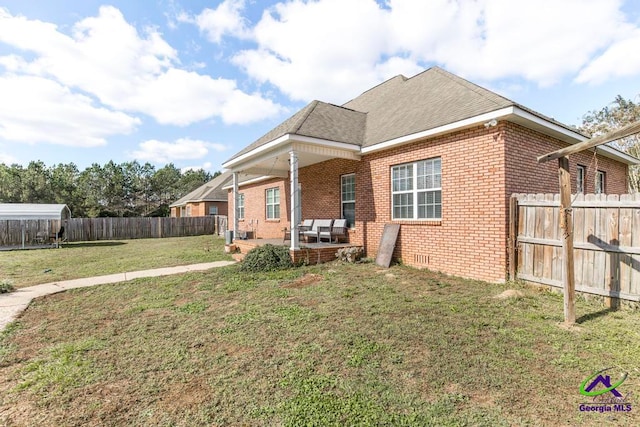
[595, 315]
[91, 244]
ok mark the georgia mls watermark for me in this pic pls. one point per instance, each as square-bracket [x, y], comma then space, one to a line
[605, 396]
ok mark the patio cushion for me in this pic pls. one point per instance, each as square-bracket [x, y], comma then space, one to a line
[316, 227]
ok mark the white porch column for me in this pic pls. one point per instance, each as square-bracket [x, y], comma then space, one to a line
[236, 224]
[295, 200]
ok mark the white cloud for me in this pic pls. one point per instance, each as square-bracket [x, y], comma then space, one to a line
[335, 49]
[618, 60]
[7, 159]
[226, 19]
[34, 109]
[107, 57]
[182, 149]
[205, 166]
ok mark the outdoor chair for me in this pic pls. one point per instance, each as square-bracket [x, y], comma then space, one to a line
[315, 228]
[306, 225]
[336, 231]
[41, 237]
[58, 237]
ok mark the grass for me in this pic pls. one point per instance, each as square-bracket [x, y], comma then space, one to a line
[87, 259]
[330, 345]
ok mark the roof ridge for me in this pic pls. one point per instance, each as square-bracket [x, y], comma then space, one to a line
[404, 79]
[312, 106]
[469, 85]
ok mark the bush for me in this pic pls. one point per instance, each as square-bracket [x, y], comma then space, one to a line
[6, 286]
[267, 258]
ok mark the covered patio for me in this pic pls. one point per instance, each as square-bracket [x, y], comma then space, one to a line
[301, 141]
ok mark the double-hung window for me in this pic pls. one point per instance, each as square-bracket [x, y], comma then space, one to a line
[348, 198]
[416, 190]
[580, 179]
[601, 179]
[273, 203]
[240, 206]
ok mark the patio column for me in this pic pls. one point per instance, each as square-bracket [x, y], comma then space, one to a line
[295, 200]
[236, 223]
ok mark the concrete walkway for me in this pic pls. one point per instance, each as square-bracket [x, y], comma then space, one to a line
[14, 303]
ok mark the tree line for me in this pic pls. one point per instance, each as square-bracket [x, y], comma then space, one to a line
[125, 189]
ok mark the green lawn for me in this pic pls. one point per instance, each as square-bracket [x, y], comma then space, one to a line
[329, 345]
[86, 259]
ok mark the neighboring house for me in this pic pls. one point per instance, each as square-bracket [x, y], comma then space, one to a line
[208, 199]
[434, 153]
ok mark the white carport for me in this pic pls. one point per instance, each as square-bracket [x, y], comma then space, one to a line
[24, 212]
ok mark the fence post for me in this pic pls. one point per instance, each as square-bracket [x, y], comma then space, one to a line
[513, 236]
[566, 224]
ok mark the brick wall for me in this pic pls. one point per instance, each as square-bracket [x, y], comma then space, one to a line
[202, 208]
[481, 168]
[525, 175]
[255, 214]
[469, 240]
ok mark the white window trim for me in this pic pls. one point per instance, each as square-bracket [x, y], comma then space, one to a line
[240, 206]
[415, 191]
[580, 180]
[342, 201]
[601, 182]
[267, 204]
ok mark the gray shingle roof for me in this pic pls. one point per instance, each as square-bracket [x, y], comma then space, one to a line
[433, 98]
[397, 107]
[209, 192]
[319, 120]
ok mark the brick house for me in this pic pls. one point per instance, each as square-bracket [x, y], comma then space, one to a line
[434, 153]
[208, 199]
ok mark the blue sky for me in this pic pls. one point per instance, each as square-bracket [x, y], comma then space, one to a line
[193, 82]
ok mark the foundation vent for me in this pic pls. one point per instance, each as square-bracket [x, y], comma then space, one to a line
[421, 259]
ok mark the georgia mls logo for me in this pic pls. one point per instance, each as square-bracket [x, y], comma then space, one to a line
[606, 396]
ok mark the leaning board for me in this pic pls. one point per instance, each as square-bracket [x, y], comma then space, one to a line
[387, 244]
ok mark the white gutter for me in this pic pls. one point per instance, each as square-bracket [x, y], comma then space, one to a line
[504, 113]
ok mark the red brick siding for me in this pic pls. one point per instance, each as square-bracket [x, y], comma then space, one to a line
[470, 240]
[481, 168]
[202, 208]
[525, 175]
[255, 211]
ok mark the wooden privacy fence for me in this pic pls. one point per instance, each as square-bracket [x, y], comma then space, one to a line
[88, 229]
[606, 242]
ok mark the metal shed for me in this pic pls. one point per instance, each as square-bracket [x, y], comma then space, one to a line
[25, 211]
[28, 213]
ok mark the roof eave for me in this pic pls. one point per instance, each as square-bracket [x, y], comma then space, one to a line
[282, 141]
[514, 114]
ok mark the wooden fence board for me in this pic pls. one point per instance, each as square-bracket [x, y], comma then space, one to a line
[635, 241]
[90, 229]
[606, 243]
[589, 257]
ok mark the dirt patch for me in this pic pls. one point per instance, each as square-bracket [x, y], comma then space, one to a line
[304, 281]
[510, 293]
[569, 327]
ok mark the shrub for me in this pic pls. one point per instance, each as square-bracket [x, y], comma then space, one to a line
[267, 258]
[352, 254]
[6, 286]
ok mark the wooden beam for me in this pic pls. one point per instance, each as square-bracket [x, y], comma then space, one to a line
[623, 132]
[566, 224]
